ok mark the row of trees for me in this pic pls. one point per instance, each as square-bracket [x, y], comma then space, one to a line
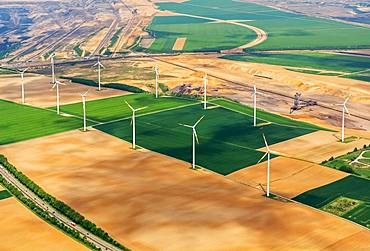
[117, 86]
[45, 215]
[60, 206]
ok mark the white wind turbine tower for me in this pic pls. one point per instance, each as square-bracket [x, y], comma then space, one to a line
[268, 152]
[195, 137]
[100, 65]
[56, 84]
[22, 77]
[205, 91]
[133, 123]
[255, 92]
[52, 56]
[156, 80]
[344, 110]
[83, 95]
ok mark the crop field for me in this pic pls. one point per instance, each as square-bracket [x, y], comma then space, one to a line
[200, 34]
[321, 63]
[108, 109]
[336, 197]
[21, 122]
[4, 194]
[228, 141]
[357, 162]
[285, 30]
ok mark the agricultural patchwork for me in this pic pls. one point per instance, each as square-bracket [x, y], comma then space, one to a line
[285, 30]
[348, 198]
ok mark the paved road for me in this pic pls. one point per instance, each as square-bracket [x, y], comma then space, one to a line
[61, 218]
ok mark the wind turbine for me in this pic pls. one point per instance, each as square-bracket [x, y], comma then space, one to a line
[22, 77]
[255, 92]
[156, 80]
[195, 137]
[268, 152]
[344, 110]
[133, 123]
[52, 56]
[83, 95]
[205, 91]
[56, 84]
[99, 69]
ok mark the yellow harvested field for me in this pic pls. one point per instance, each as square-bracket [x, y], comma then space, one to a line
[39, 92]
[316, 147]
[289, 177]
[179, 44]
[22, 230]
[149, 201]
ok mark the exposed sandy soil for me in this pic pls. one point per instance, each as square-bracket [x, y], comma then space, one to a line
[328, 90]
[91, 44]
[21, 230]
[289, 177]
[317, 147]
[179, 44]
[152, 202]
[39, 92]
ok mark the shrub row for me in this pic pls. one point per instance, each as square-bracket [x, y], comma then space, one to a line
[117, 86]
[60, 206]
[45, 215]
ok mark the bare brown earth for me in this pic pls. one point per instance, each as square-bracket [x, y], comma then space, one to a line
[21, 230]
[153, 202]
[289, 177]
[179, 44]
[318, 146]
[39, 92]
[328, 90]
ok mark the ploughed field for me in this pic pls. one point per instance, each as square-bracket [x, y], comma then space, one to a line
[285, 30]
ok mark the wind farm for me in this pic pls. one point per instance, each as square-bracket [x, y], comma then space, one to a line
[184, 125]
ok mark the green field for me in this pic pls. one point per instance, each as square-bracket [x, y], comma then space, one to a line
[350, 187]
[286, 31]
[344, 162]
[166, 29]
[108, 109]
[21, 122]
[228, 141]
[4, 194]
[321, 63]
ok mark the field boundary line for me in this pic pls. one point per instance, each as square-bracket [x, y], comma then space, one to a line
[149, 113]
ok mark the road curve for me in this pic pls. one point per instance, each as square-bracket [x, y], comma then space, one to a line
[261, 34]
[97, 241]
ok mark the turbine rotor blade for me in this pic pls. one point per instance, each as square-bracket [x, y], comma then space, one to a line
[198, 121]
[346, 101]
[267, 146]
[189, 126]
[262, 158]
[196, 135]
[138, 109]
[129, 106]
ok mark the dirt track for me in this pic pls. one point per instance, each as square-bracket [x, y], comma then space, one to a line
[153, 202]
[261, 34]
[22, 230]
